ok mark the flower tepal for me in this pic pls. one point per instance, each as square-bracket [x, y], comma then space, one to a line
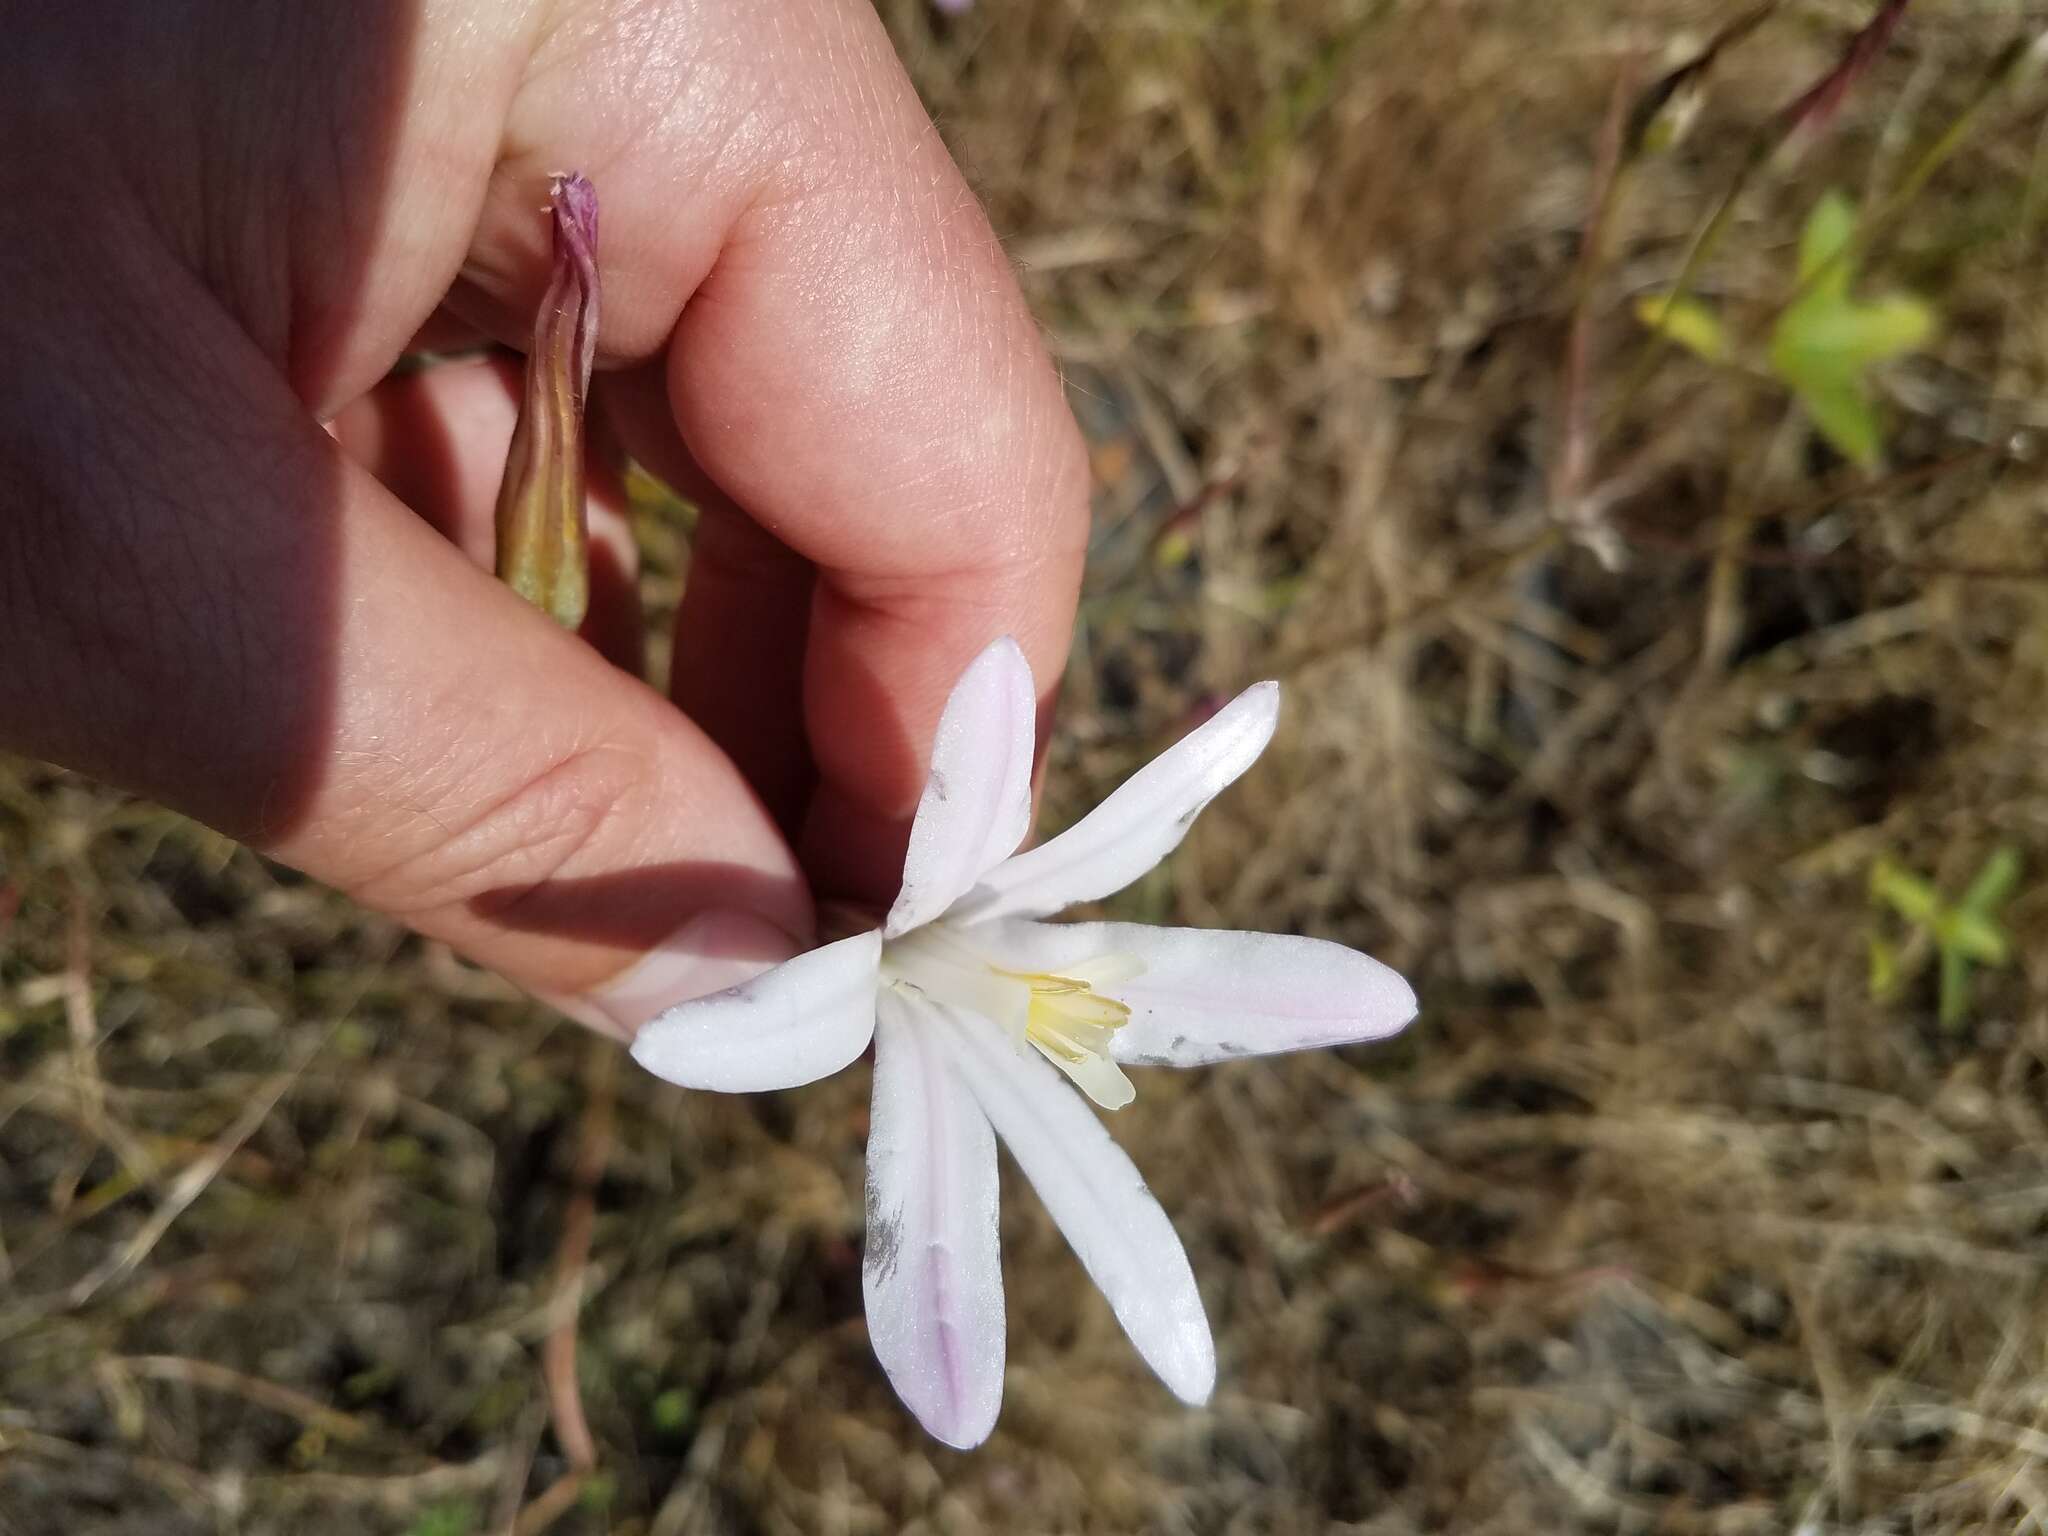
[986, 1019]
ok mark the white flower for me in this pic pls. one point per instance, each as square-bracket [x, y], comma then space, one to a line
[973, 1002]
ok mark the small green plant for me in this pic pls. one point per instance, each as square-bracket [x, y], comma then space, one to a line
[455, 1517]
[1826, 338]
[1961, 934]
[1824, 341]
[599, 1492]
[673, 1411]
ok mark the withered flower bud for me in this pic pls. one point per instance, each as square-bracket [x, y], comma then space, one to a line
[543, 534]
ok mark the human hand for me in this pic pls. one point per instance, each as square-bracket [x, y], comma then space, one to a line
[223, 224]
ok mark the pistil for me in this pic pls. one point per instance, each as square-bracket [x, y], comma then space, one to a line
[1060, 1014]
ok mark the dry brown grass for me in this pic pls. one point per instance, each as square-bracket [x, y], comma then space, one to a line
[1655, 1220]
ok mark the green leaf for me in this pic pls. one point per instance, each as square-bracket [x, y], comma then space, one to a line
[1975, 937]
[673, 1411]
[599, 1492]
[1994, 882]
[454, 1517]
[1842, 413]
[1851, 335]
[1829, 228]
[1906, 893]
[1826, 338]
[1686, 321]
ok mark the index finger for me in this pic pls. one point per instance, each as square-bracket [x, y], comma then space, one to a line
[858, 375]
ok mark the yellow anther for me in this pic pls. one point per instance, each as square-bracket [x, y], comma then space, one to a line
[1071, 1023]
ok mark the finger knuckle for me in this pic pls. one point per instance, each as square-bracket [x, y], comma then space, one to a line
[514, 841]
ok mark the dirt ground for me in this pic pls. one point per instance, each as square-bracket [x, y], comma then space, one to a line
[1682, 1208]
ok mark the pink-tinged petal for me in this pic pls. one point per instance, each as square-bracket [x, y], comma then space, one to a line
[1099, 1200]
[976, 806]
[803, 1020]
[1138, 825]
[1214, 995]
[933, 1274]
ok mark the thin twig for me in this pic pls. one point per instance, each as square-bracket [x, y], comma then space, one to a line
[1812, 114]
[190, 1184]
[1661, 92]
[1883, 485]
[572, 1258]
[572, 1263]
[1380, 631]
[1658, 542]
[1722, 627]
[1808, 113]
[2011, 62]
[1573, 461]
[210, 1377]
[394, 1492]
[1397, 1190]
[183, 1484]
[81, 1022]
[557, 1501]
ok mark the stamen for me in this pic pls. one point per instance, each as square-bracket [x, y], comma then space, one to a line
[1059, 1014]
[1071, 1023]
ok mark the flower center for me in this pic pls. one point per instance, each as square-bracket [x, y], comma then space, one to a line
[1062, 1015]
[1066, 1017]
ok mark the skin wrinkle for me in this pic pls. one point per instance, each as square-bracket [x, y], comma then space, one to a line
[304, 342]
[698, 108]
[719, 101]
[883, 386]
[461, 75]
[288, 267]
[901, 596]
[400, 784]
[214, 605]
[496, 846]
[139, 595]
[40, 677]
[639, 276]
[848, 278]
[391, 791]
[438, 791]
[891, 361]
[243, 252]
[634, 59]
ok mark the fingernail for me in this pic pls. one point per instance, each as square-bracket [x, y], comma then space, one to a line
[712, 951]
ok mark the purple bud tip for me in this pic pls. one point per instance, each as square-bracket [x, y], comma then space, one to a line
[574, 201]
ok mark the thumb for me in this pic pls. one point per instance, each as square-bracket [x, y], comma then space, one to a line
[213, 605]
